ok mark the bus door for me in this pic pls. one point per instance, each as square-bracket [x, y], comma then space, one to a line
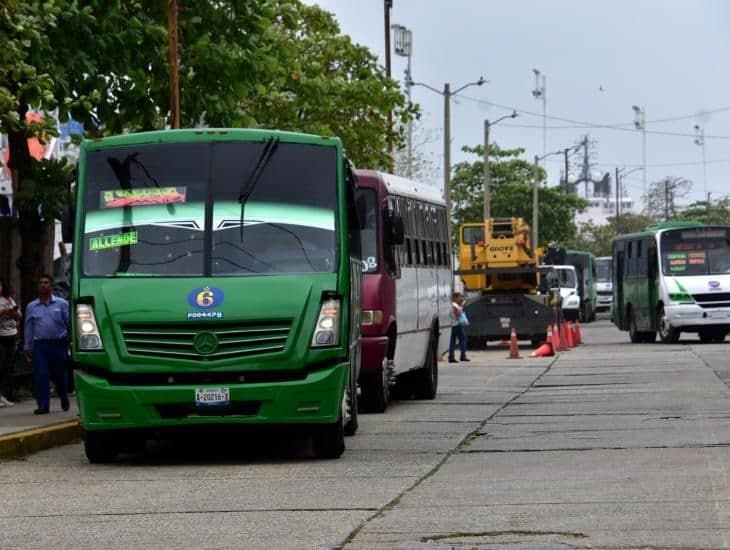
[653, 282]
[619, 270]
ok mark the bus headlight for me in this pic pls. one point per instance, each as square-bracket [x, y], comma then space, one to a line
[372, 316]
[326, 331]
[86, 329]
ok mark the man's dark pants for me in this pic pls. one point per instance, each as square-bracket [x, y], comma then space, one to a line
[50, 359]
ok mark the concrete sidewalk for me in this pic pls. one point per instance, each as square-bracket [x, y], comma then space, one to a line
[22, 432]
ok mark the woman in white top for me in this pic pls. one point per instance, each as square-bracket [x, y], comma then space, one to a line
[9, 317]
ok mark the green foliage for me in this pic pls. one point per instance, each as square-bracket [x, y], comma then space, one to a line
[716, 213]
[511, 194]
[597, 238]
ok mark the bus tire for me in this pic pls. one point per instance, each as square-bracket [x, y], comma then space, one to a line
[634, 334]
[427, 378]
[376, 392]
[100, 447]
[667, 333]
[328, 441]
[351, 402]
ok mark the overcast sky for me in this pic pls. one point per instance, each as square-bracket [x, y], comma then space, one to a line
[668, 56]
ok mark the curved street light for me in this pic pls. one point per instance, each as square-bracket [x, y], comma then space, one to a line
[487, 175]
[447, 93]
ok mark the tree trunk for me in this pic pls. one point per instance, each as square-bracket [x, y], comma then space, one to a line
[34, 231]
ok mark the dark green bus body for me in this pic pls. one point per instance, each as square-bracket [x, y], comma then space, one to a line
[189, 305]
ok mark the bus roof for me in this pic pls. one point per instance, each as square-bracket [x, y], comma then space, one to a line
[206, 135]
[405, 187]
[656, 228]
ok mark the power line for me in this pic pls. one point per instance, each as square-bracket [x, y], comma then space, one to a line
[624, 127]
[659, 165]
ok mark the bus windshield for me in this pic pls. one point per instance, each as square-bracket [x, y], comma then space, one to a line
[561, 278]
[696, 251]
[603, 270]
[173, 209]
[369, 233]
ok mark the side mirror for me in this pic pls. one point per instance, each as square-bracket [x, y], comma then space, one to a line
[397, 232]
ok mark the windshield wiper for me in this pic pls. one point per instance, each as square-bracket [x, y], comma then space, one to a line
[249, 185]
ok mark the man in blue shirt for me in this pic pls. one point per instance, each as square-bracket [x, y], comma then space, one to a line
[46, 343]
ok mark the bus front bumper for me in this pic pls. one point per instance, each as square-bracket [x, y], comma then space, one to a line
[692, 316]
[316, 399]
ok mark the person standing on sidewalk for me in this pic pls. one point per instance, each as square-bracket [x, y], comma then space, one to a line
[46, 343]
[9, 317]
[457, 329]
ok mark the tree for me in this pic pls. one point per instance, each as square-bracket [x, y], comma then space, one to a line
[423, 165]
[511, 194]
[661, 199]
[274, 63]
[597, 238]
[713, 213]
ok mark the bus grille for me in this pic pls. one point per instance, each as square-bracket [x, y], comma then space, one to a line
[713, 299]
[178, 340]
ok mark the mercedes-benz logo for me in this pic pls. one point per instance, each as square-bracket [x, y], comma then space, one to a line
[205, 342]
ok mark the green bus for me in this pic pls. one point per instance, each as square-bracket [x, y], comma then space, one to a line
[585, 267]
[217, 283]
[673, 277]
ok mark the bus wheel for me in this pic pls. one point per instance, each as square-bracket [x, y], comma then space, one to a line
[635, 335]
[329, 440]
[667, 333]
[376, 392]
[427, 377]
[100, 447]
[351, 411]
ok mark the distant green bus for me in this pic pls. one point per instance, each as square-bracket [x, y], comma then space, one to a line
[585, 267]
[673, 277]
[217, 283]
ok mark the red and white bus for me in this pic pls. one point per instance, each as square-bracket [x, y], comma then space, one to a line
[407, 286]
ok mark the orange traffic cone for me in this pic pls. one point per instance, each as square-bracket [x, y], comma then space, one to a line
[578, 333]
[574, 334]
[545, 350]
[569, 335]
[557, 341]
[514, 349]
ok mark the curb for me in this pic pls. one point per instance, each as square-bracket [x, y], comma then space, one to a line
[32, 440]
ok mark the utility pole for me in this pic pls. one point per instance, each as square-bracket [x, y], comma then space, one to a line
[567, 169]
[387, 6]
[640, 124]
[666, 199]
[537, 93]
[403, 46]
[618, 200]
[487, 196]
[487, 175]
[700, 140]
[447, 150]
[174, 78]
[708, 207]
[535, 189]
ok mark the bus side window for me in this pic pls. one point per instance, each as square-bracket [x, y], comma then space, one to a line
[642, 260]
[653, 264]
[409, 252]
[630, 261]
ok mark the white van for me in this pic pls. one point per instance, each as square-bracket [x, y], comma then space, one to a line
[566, 278]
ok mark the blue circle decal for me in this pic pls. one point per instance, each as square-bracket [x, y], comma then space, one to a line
[205, 297]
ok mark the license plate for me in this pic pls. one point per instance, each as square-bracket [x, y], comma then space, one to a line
[212, 396]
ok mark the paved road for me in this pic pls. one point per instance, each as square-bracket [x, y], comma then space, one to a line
[609, 445]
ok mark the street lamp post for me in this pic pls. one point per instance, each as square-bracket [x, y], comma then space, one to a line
[403, 46]
[640, 124]
[487, 196]
[447, 95]
[618, 194]
[700, 140]
[535, 194]
[537, 93]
